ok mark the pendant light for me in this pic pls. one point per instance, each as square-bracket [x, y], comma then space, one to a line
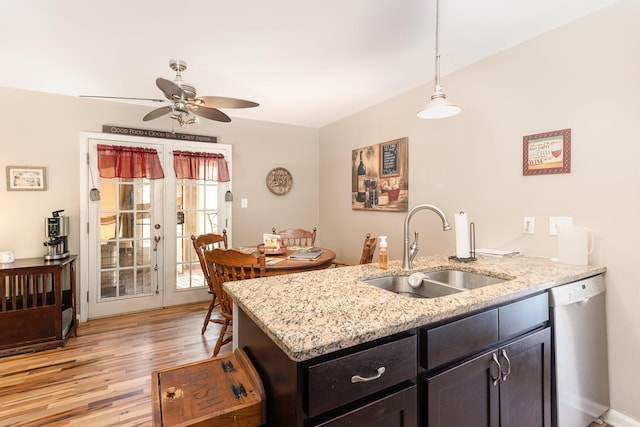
[438, 107]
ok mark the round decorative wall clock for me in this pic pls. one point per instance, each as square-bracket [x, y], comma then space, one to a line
[279, 181]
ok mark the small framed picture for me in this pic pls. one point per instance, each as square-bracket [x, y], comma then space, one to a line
[547, 153]
[26, 178]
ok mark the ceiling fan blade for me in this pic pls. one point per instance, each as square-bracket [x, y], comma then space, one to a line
[158, 112]
[170, 89]
[211, 114]
[122, 97]
[222, 102]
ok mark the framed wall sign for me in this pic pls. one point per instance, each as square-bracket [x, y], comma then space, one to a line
[390, 159]
[547, 153]
[380, 177]
[26, 178]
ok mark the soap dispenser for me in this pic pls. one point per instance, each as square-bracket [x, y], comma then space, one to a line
[382, 253]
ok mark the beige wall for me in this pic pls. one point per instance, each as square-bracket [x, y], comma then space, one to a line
[43, 130]
[584, 76]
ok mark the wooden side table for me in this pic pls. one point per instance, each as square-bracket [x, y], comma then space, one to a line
[37, 304]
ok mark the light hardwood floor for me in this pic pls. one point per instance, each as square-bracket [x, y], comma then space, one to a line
[103, 377]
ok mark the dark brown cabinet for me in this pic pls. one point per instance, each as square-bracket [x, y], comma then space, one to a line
[498, 373]
[342, 380]
[495, 388]
[398, 409]
[37, 304]
[488, 368]
[373, 384]
[525, 398]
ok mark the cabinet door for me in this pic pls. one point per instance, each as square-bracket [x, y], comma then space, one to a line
[396, 410]
[465, 396]
[525, 389]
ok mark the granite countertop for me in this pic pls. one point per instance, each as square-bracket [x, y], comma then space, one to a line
[315, 313]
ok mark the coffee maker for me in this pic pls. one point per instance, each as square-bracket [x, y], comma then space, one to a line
[56, 230]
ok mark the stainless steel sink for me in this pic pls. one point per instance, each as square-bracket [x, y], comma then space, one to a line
[461, 279]
[434, 284]
[400, 285]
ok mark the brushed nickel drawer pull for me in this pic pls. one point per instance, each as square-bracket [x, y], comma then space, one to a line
[495, 380]
[359, 379]
[505, 374]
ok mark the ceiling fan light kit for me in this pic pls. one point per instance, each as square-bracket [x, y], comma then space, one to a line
[438, 106]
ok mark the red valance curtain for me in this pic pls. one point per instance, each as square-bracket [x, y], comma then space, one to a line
[129, 162]
[205, 166]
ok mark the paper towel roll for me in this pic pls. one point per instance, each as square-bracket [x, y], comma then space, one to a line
[462, 236]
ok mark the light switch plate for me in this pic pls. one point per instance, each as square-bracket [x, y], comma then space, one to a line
[554, 221]
[529, 225]
[244, 203]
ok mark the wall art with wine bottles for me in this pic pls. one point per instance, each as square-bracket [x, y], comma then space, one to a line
[547, 153]
[380, 176]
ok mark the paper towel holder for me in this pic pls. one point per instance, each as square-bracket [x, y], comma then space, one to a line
[472, 245]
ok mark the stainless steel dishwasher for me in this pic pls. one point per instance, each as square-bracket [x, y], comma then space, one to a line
[580, 365]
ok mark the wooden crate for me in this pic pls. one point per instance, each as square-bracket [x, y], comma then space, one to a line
[221, 391]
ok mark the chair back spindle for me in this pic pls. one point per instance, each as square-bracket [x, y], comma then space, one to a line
[297, 236]
[228, 265]
[368, 248]
[207, 242]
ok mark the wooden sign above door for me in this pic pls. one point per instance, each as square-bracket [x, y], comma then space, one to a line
[120, 130]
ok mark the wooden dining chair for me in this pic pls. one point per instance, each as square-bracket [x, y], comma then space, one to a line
[368, 248]
[207, 242]
[297, 236]
[228, 265]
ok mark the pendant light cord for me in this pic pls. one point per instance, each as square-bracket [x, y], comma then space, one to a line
[437, 43]
[438, 107]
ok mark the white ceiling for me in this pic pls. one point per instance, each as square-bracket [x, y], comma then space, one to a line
[306, 62]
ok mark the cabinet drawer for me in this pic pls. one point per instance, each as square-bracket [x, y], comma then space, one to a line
[331, 384]
[399, 409]
[522, 316]
[455, 340]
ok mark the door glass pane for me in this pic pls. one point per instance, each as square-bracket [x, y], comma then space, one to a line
[197, 207]
[125, 238]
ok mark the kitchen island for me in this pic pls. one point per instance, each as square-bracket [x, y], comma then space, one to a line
[318, 317]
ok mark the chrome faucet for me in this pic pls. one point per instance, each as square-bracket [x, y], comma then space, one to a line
[410, 251]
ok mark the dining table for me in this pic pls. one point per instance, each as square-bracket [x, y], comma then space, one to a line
[281, 262]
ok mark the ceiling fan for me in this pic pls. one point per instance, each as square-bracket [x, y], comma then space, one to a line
[185, 107]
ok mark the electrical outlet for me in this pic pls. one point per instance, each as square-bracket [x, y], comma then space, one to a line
[529, 225]
[244, 203]
[554, 221]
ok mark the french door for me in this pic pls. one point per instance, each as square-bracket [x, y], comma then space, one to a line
[138, 241]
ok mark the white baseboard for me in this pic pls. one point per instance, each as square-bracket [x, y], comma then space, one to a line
[618, 419]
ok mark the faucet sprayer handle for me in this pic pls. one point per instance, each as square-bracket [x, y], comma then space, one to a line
[414, 245]
[413, 250]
